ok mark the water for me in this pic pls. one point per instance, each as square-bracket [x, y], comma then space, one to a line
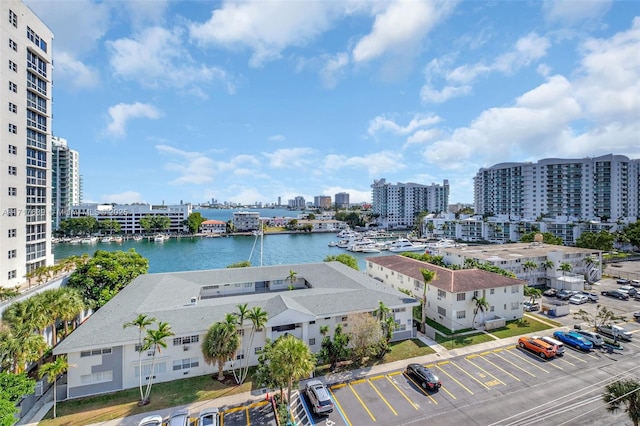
[196, 253]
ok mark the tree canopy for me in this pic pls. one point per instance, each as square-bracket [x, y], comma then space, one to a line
[346, 259]
[105, 274]
[602, 240]
[632, 233]
[194, 221]
[547, 238]
[12, 388]
[155, 223]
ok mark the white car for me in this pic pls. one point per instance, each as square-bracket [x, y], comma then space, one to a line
[154, 420]
[591, 336]
[208, 417]
[578, 299]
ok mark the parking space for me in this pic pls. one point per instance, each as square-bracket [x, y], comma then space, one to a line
[256, 414]
[395, 397]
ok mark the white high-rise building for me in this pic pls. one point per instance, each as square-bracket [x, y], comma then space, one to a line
[398, 205]
[65, 180]
[25, 155]
[599, 188]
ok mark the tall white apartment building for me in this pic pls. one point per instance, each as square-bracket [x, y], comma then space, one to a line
[66, 186]
[598, 188]
[398, 205]
[25, 136]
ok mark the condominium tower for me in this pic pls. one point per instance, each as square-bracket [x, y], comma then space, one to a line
[25, 126]
[599, 188]
[65, 179]
[322, 202]
[342, 200]
[398, 205]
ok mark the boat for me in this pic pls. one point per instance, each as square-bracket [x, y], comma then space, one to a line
[137, 238]
[117, 239]
[89, 240]
[159, 238]
[364, 246]
[434, 248]
[106, 240]
[402, 244]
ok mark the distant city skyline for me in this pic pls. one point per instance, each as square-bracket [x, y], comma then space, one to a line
[171, 101]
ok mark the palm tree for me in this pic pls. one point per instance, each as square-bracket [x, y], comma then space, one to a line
[428, 276]
[292, 278]
[19, 345]
[386, 320]
[141, 322]
[533, 293]
[627, 393]
[53, 370]
[529, 266]
[155, 340]
[548, 264]
[565, 267]
[72, 305]
[481, 306]
[220, 344]
[292, 359]
[240, 316]
[258, 318]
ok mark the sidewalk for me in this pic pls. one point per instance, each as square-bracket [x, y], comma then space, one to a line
[441, 353]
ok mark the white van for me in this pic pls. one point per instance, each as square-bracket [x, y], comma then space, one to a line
[552, 341]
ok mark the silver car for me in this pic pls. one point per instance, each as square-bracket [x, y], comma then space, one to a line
[591, 336]
[208, 417]
[319, 397]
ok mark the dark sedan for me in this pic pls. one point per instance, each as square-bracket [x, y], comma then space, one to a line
[424, 377]
[616, 294]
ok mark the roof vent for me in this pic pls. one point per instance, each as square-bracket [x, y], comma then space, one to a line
[194, 300]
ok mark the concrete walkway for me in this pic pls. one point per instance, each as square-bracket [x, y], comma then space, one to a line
[441, 353]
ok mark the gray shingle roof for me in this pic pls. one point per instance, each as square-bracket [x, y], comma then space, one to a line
[336, 289]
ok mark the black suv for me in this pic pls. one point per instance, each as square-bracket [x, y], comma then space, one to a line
[424, 376]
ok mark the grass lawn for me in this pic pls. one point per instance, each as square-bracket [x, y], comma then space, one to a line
[461, 341]
[122, 404]
[522, 326]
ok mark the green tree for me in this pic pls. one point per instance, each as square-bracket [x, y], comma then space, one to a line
[109, 226]
[141, 322]
[12, 388]
[194, 221]
[532, 293]
[601, 316]
[292, 277]
[155, 340]
[242, 264]
[221, 343]
[264, 375]
[292, 359]
[529, 266]
[481, 305]
[632, 233]
[547, 238]
[155, 223]
[346, 259]
[104, 275]
[53, 370]
[258, 318]
[19, 345]
[365, 334]
[336, 349]
[548, 264]
[427, 277]
[8, 293]
[602, 240]
[565, 268]
[624, 392]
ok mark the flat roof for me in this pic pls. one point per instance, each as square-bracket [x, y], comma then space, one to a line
[500, 252]
[336, 289]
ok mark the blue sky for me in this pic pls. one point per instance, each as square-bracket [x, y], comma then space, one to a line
[171, 101]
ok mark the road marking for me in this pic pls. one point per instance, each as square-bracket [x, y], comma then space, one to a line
[500, 368]
[469, 374]
[246, 413]
[307, 413]
[362, 402]
[413, 404]
[515, 365]
[528, 361]
[566, 355]
[420, 387]
[449, 393]
[491, 383]
[342, 413]
[383, 398]
[454, 379]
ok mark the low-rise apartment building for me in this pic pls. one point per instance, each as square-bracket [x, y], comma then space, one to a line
[213, 227]
[246, 221]
[104, 353]
[451, 296]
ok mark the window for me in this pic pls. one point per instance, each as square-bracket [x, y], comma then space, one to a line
[184, 364]
[492, 309]
[13, 66]
[442, 293]
[100, 377]
[11, 254]
[177, 341]
[13, 45]
[13, 87]
[442, 311]
[12, 191]
[13, 107]
[461, 297]
[492, 291]
[240, 355]
[312, 341]
[515, 289]
[12, 211]
[35, 38]
[94, 352]
[461, 314]
[13, 18]
[13, 149]
[311, 322]
[158, 368]
[11, 233]
[515, 305]
[13, 129]
[257, 350]
[12, 274]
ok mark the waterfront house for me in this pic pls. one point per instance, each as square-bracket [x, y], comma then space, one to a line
[451, 296]
[213, 227]
[104, 353]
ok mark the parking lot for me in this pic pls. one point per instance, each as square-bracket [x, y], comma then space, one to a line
[258, 413]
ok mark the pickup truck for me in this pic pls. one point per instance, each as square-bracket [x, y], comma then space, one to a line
[615, 331]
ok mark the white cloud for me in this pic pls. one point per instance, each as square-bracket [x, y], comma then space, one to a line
[193, 168]
[120, 114]
[375, 164]
[430, 95]
[384, 124]
[527, 49]
[276, 138]
[355, 195]
[422, 136]
[78, 74]
[266, 27]
[127, 197]
[400, 28]
[333, 69]
[290, 158]
[571, 12]
[156, 57]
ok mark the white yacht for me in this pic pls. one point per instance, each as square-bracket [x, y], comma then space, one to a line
[364, 246]
[159, 238]
[106, 240]
[434, 248]
[402, 244]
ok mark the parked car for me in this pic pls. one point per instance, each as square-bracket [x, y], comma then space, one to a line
[550, 292]
[622, 281]
[153, 420]
[209, 417]
[424, 376]
[565, 294]
[578, 299]
[559, 346]
[591, 336]
[635, 283]
[537, 346]
[636, 315]
[531, 306]
[593, 297]
[572, 339]
[179, 418]
[319, 396]
[615, 331]
[615, 294]
[631, 291]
